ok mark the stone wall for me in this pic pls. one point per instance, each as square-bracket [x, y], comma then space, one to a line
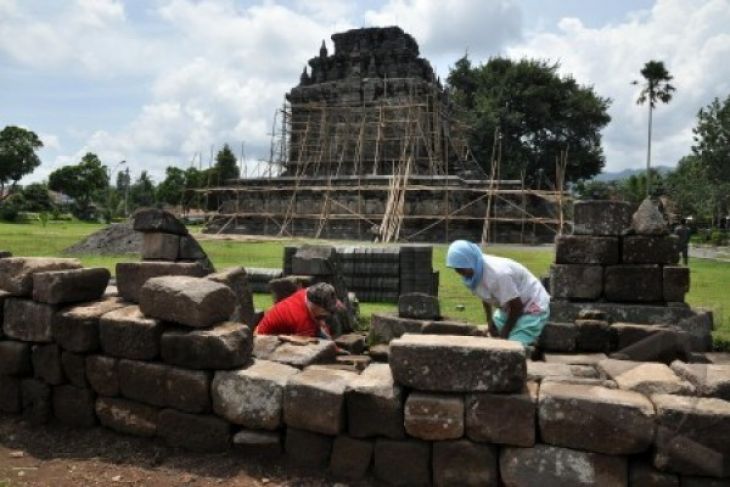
[445, 410]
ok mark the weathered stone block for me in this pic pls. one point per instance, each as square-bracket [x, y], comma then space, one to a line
[47, 364]
[601, 217]
[74, 406]
[708, 379]
[558, 337]
[351, 458]
[131, 276]
[127, 333]
[693, 435]
[596, 419]
[464, 463]
[551, 465]
[283, 287]
[676, 283]
[103, 374]
[16, 273]
[156, 220]
[143, 381]
[70, 286]
[466, 364]
[190, 249]
[633, 283]
[314, 260]
[190, 301]
[645, 475]
[10, 400]
[352, 342]
[15, 358]
[404, 462]
[187, 390]
[194, 432]
[576, 281]
[538, 371]
[225, 346]
[583, 249]
[307, 449]
[28, 321]
[419, 306]
[643, 249]
[575, 358]
[237, 280]
[257, 442]
[127, 417]
[37, 401]
[451, 328]
[385, 327]
[629, 333]
[648, 219]
[76, 328]
[698, 326]
[434, 416]
[375, 404]
[297, 355]
[594, 336]
[561, 310]
[645, 377]
[507, 419]
[74, 368]
[254, 396]
[380, 352]
[162, 246]
[321, 389]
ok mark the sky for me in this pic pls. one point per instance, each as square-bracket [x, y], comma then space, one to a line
[157, 83]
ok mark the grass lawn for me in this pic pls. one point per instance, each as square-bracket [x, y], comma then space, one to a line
[710, 279]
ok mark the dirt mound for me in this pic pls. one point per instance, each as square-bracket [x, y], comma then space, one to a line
[118, 238]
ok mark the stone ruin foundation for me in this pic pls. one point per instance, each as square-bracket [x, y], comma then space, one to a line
[172, 362]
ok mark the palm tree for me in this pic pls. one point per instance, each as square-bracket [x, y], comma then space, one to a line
[655, 88]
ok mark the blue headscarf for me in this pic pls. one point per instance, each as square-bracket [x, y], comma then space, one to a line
[466, 255]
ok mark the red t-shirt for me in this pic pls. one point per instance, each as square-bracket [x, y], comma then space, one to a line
[289, 316]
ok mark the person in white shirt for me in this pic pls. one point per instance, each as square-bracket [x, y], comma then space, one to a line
[520, 302]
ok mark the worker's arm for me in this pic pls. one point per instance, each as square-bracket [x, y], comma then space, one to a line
[515, 309]
[490, 324]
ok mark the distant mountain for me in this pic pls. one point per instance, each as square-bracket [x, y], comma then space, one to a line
[627, 173]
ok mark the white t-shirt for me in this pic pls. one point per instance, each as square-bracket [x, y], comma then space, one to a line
[504, 280]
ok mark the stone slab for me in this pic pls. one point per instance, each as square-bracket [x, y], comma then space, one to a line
[565, 311]
[594, 336]
[16, 273]
[385, 327]
[195, 432]
[76, 328]
[46, 361]
[127, 333]
[693, 435]
[558, 337]
[352, 342]
[252, 397]
[466, 364]
[188, 390]
[237, 280]
[634, 283]
[442, 327]
[419, 306]
[257, 442]
[15, 358]
[629, 333]
[10, 398]
[307, 449]
[576, 281]
[601, 217]
[314, 260]
[74, 406]
[131, 276]
[464, 463]
[375, 404]
[102, 372]
[538, 371]
[434, 417]
[645, 475]
[156, 220]
[402, 462]
[143, 381]
[321, 389]
[645, 377]
[162, 246]
[37, 401]
[74, 368]
[351, 458]
[596, 419]
[718, 358]
[676, 282]
[127, 417]
[710, 380]
[554, 466]
[225, 346]
[298, 355]
[586, 249]
[575, 358]
[28, 321]
[507, 419]
[70, 286]
[649, 249]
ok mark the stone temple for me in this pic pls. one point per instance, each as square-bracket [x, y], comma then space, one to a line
[368, 146]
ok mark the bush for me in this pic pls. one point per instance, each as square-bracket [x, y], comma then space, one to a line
[9, 212]
[719, 238]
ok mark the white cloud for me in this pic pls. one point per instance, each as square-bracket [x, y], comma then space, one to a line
[692, 39]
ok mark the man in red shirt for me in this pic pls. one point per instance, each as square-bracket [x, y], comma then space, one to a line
[303, 313]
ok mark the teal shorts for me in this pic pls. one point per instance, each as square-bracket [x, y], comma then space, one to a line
[527, 329]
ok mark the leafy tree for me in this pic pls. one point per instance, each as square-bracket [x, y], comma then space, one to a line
[83, 182]
[226, 165]
[595, 190]
[634, 188]
[690, 189]
[171, 190]
[712, 138]
[36, 198]
[655, 88]
[537, 115]
[18, 156]
[142, 192]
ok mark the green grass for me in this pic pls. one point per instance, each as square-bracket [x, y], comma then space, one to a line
[710, 279]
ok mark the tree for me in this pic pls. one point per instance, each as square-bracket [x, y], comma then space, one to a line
[171, 190]
[712, 138]
[226, 165]
[83, 182]
[18, 156]
[532, 115]
[36, 198]
[142, 192]
[656, 88]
